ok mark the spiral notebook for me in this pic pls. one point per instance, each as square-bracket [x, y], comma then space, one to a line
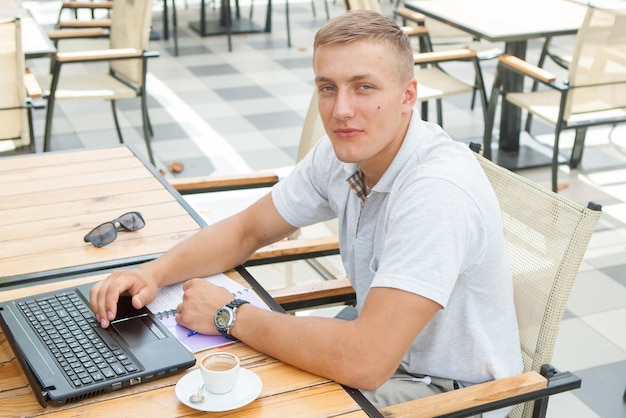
[169, 297]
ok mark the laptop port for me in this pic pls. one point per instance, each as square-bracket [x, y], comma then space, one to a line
[135, 381]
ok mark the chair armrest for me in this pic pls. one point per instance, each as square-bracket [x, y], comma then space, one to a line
[191, 185]
[314, 294]
[102, 55]
[87, 5]
[33, 89]
[409, 14]
[526, 68]
[468, 397]
[58, 34]
[442, 56]
[489, 396]
[415, 30]
[77, 24]
[295, 249]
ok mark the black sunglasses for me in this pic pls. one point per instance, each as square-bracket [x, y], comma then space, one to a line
[106, 233]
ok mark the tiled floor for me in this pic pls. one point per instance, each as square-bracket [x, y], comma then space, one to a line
[218, 111]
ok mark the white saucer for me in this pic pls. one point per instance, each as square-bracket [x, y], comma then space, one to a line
[248, 387]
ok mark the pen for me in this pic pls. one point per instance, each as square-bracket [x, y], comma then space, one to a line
[191, 333]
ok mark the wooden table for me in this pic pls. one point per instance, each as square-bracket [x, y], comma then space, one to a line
[513, 22]
[287, 391]
[48, 202]
[35, 42]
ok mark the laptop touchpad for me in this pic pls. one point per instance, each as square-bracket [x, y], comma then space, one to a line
[135, 332]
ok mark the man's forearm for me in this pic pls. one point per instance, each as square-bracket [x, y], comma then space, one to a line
[201, 255]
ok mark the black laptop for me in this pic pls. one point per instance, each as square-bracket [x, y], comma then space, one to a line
[68, 357]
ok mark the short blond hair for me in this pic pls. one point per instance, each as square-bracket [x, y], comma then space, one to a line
[360, 25]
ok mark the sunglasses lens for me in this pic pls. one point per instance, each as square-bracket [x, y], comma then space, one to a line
[132, 221]
[102, 235]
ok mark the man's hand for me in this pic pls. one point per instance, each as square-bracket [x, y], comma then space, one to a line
[201, 301]
[104, 295]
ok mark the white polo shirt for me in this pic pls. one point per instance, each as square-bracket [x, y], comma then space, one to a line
[430, 226]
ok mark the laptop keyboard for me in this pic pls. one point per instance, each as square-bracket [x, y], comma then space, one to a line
[69, 328]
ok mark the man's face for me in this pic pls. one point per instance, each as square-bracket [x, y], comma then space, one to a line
[365, 108]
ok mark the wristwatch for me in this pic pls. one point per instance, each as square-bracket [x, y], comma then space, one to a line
[225, 317]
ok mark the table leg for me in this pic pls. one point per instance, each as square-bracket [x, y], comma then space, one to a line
[511, 154]
[166, 30]
[268, 16]
[202, 18]
[225, 24]
[511, 116]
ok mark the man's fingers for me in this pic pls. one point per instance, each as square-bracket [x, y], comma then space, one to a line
[104, 297]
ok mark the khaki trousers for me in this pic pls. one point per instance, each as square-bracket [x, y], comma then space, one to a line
[403, 387]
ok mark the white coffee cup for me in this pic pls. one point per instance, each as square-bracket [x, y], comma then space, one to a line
[219, 372]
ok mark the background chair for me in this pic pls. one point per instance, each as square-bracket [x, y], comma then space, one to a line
[593, 94]
[102, 20]
[442, 37]
[434, 83]
[18, 87]
[125, 77]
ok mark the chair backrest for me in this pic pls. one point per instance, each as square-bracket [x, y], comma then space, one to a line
[14, 126]
[547, 236]
[363, 5]
[312, 130]
[130, 28]
[597, 74]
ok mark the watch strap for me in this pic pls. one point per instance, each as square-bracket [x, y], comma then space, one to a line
[232, 306]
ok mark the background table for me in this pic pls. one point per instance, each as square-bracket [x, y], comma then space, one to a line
[287, 391]
[513, 22]
[48, 202]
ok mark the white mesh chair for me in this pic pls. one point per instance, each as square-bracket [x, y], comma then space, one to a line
[594, 92]
[546, 236]
[16, 127]
[126, 76]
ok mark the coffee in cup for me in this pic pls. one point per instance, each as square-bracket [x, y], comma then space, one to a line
[220, 371]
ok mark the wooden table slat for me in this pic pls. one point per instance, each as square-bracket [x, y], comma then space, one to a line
[67, 210]
[67, 183]
[53, 159]
[73, 240]
[84, 222]
[49, 197]
[73, 169]
[156, 245]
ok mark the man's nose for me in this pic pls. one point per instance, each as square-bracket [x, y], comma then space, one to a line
[344, 105]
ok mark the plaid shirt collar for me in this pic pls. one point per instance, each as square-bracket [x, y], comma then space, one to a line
[356, 184]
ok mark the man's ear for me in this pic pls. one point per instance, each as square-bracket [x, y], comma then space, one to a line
[410, 93]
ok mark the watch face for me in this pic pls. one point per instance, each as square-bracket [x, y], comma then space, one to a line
[222, 318]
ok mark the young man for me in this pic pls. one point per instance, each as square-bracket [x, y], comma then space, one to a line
[420, 237]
